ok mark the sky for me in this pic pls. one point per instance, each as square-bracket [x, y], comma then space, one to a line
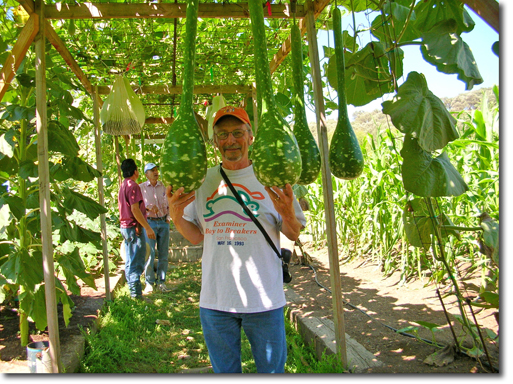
[480, 41]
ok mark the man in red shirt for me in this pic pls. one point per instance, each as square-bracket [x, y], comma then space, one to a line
[132, 215]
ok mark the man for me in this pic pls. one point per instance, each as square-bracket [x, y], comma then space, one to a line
[132, 216]
[154, 195]
[242, 279]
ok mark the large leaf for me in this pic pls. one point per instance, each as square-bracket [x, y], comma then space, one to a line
[367, 73]
[6, 146]
[72, 266]
[418, 224]
[8, 166]
[84, 204]
[445, 49]
[359, 5]
[426, 176]
[77, 169]
[430, 12]
[60, 139]
[396, 16]
[15, 204]
[491, 239]
[416, 111]
[23, 268]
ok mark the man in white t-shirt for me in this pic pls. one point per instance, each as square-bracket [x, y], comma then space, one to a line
[242, 278]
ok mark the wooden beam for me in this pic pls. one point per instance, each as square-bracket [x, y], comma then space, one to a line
[160, 10]
[158, 120]
[177, 90]
[58, 44]
[44, 194]
[282, 53]
[331, 224]
[19, 50]
[488, 10]
[28, 5]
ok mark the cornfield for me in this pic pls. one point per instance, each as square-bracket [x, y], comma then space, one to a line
[369, 209]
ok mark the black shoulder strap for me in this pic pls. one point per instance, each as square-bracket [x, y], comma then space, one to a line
[248, 212]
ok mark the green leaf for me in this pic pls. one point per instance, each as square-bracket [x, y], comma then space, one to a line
[367, 75]
[416, 111]
[38, 312]
[16, 206]
[284, 104]
[359, 5]
[28, 169]
[72, 266]
[425, 324]
[6, 147]
[443, 47]
[491, 239]
[8, 166]
[84, 204]
[396, 17]
[430, 12]
[77, 169]
[426, 176]
[491, 297]
[60, 139]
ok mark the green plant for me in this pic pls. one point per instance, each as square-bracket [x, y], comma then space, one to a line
[21, 266]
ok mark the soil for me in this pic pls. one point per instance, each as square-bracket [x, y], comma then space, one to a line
[374, 306]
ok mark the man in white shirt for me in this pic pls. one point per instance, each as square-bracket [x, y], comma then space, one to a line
[242, 277]
[154, 195]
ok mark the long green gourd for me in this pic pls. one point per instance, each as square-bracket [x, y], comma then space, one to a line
[275, 154]
[345, 156]
[310, 154]
[184, 155]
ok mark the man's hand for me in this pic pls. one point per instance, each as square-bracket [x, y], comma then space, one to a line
[283, 201]
[150, 233]
[178, 201]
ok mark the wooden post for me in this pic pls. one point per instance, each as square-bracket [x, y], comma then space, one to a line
[331, 225]
[44, 193]
[101, 196]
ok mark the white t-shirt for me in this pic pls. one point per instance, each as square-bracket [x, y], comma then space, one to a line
[240, 271]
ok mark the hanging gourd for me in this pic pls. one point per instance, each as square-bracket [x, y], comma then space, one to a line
[345, 156]
[122, 112]
[183, 154]
[310, 155]
[275, 154]
[217, 103]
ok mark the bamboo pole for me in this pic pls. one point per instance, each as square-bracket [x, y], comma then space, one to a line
[101, 195]
[331, 225]
[44, 194]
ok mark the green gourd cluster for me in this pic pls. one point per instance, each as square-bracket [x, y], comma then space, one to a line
[345, 156]
[184, 155]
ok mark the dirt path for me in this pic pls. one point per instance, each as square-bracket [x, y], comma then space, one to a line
[388, 304]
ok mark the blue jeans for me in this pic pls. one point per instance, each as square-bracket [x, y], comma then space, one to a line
[161, 229]
[264, 330]
[135, 250]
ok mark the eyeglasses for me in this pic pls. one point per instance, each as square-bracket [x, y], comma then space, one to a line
[237, 134]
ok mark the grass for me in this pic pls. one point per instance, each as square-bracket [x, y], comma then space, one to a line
[164, 334]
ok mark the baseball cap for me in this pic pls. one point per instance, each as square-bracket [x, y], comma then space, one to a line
[238, 112]
[149, 166]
